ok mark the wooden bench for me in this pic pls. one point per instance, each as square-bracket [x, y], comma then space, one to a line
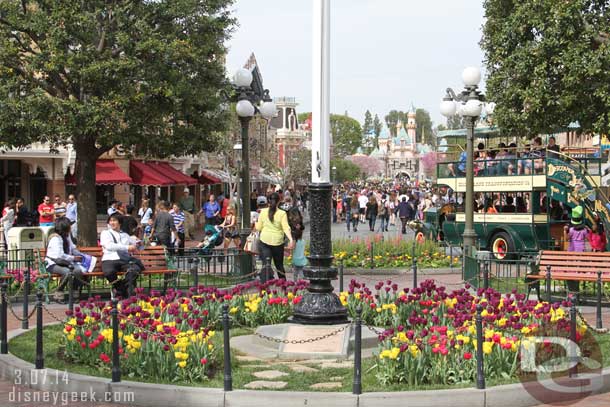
[153, 258]
[569, 266]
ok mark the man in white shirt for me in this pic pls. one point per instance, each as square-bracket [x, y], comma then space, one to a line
[362, 201]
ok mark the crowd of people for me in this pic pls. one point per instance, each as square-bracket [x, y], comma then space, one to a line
[382, 205]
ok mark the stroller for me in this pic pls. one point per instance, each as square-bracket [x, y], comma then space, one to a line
[213, 237]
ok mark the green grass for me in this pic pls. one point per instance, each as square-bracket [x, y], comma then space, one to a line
[24, 347]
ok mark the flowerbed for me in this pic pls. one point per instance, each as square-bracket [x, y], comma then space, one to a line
[391, 252]
[171, 337]
[431, 337]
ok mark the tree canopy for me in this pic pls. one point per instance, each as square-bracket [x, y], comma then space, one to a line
[392, 118]
[147, 75]
[423, 131]
[548, 64]
[346, 135]
[346, 170]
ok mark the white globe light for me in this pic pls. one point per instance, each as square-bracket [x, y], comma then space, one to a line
[243, 78]
[471, 76]
[244, 108]
[268, 110]
[490, 107]
[473, 108]
[447, 108]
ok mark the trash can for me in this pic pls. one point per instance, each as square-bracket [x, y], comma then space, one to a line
[22, 241]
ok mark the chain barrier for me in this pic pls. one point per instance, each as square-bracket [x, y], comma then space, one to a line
[374, 329]
[51, 314]
[10, 307]
[589, 326]
[293, 341]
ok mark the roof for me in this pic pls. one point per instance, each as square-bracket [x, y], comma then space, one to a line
[107, 172]
[145, 174]
[481, 131]
[385, 134]
[402, 135]
[376, 153]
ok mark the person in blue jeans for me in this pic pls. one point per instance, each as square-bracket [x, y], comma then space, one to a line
[347, 208]
[371, 212]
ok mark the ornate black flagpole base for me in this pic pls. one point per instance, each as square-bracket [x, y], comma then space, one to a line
[320, 305]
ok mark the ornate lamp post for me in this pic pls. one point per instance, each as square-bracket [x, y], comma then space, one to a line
[249, 102]
[320, 305]
[471, 105]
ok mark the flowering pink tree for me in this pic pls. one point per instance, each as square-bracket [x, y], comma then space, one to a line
[429, 161]
[368, 165]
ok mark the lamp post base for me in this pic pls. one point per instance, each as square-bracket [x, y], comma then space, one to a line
[320, 305]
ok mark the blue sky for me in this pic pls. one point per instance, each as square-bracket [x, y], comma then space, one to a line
[385, 54]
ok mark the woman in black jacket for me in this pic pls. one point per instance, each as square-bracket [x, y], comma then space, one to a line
[371, 212]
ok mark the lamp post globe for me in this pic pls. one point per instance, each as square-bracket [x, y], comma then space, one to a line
[268, 110]
[242, 78]
[471, 76]
[473, 108]
[244, 108]
[448, 108]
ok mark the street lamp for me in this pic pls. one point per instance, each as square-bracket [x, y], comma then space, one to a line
[470, 107]
[249, 102]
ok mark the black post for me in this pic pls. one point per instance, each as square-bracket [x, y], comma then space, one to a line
[573, 371]
[598, 321]
[485, 274]
[228, 378]
[372, 254]
[246, 258]
[480, 370]
[548, 283]
[320, 305]
[357, 385]
[4, 321]
[71, 292]
[341, 276]
[116, 362]
[39, 351]
[450, 257]
[25, 323]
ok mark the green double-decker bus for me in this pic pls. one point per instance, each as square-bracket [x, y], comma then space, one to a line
[521, 199]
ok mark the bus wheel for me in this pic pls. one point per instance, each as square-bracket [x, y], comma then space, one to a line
[502, 246]
[420, 238]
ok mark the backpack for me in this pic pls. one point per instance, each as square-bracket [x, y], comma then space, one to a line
[384, 210]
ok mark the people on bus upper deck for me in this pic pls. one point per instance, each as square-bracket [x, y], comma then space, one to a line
[480, 159]
[533, 160]
[460, 169]
[552, 149]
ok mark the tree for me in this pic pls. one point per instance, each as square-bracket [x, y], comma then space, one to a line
[377, 127]
[548, 64]
[346, 170]
[455, 122]
[392, 118]
[369, 166]
[147, 75]
[302, 117]
[346, 135]
[423, 132]
[367, 127]
[298, 167]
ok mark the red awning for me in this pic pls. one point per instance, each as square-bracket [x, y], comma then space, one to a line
[208, 178]
[145, 174]
[107, 172]
[170, 172]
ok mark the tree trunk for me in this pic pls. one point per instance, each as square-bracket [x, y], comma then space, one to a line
[86, 156]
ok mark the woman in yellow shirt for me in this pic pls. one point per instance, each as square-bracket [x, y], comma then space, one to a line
[273, 225]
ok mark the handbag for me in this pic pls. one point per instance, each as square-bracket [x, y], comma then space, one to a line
[252, 245]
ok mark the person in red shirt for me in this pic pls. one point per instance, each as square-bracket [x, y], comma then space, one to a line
[46, 212]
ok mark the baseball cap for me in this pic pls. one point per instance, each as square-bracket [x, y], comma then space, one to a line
[186, 190]
[261, 200]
